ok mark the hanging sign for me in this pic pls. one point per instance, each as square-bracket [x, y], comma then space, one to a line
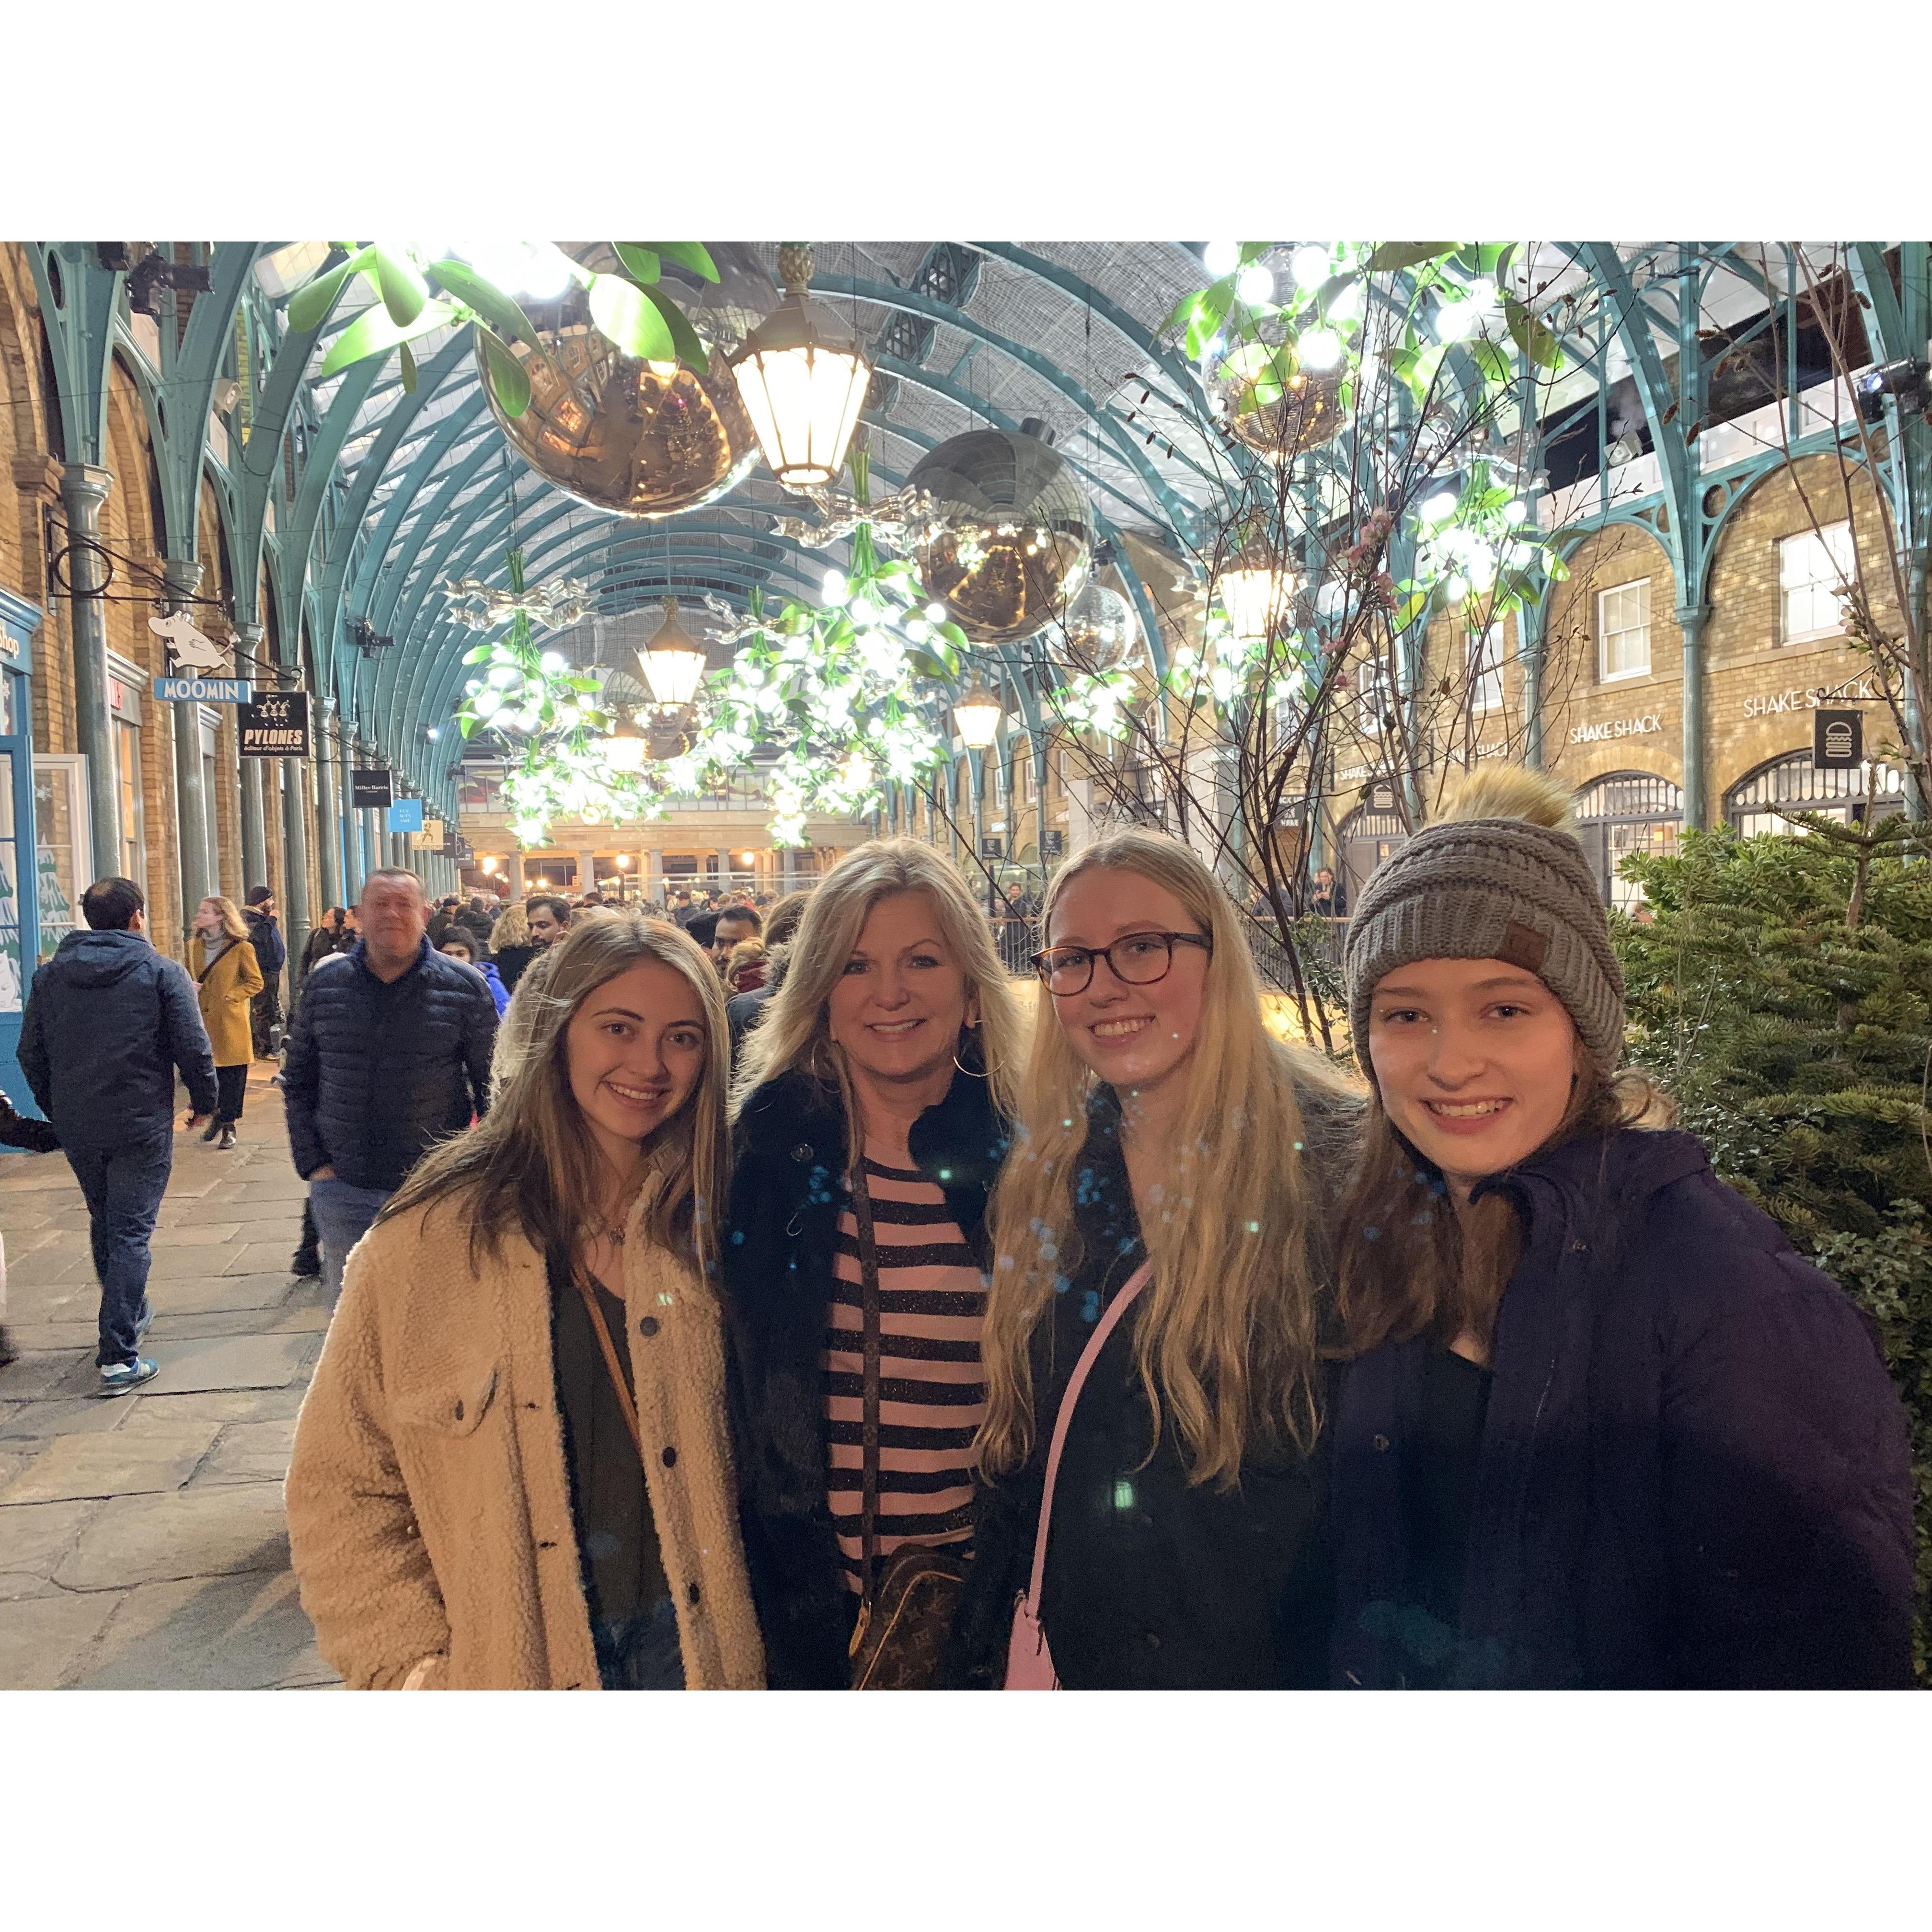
[405, 815]
[204, 690]
[1053, 844]
[371, 787]
[275, 725]
[1838, 740]
[189, 649]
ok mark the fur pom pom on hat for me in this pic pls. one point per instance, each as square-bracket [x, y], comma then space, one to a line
[1498, 875]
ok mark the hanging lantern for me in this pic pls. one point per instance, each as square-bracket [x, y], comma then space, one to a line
[1257, 591]
[626, 749]
[674, 662]
[803, 380]
[978, 715]
[1003, 537]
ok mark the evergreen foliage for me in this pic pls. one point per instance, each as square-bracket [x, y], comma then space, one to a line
[1781, 988]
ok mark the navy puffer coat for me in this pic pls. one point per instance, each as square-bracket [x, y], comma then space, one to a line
[376, 1071]
[1694, 1471]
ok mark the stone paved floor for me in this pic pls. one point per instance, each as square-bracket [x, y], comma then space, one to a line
[142, 1543]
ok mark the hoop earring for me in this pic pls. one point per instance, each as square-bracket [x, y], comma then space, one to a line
[962, 1065]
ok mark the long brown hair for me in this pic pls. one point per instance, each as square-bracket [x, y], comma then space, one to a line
[1410, 1264]
[530, 1163]
[1225, 1340]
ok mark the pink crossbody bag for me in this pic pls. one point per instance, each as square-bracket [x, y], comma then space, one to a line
[1029, 1662]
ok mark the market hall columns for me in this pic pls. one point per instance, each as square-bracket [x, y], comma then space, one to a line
[1690, 620]
[254, 829]
[193, 803]
[329, 814]
[84, 490]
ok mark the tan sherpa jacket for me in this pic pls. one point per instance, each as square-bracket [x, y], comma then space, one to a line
[428, 1498]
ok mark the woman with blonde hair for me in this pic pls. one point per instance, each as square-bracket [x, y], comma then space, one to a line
[872, 1113]
[511, 945]
[227, 977]
[513, 1469]
[1605, 1428]
[1154, 1331]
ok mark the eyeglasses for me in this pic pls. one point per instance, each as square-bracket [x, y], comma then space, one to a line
[1138, 960]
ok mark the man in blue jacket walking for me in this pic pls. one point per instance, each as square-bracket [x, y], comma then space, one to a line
[108, 1021]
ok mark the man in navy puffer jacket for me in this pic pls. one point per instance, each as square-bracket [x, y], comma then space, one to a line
[109, 1021]
[390, 1050]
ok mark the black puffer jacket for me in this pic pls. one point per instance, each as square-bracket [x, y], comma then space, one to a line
[1154, 1581]
[375, 1073]
[787, 1188]
[108, 1021]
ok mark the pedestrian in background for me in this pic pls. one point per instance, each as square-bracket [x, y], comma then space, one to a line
[223, 961]
[390, 1049]
[743, 1010]
[459, 944]
[109, 1022]
[272, 953]
[513, 1468]
[511, 945]
[548, 917]
[336, 934]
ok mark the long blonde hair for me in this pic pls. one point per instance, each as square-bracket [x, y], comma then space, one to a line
[233, 926]
[796, 1033]
[531, 1163]
[1225, 1340]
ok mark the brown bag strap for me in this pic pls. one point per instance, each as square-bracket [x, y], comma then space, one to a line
[625, 1401]
[868, 1277]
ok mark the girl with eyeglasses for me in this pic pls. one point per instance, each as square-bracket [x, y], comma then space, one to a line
[1168, 1191]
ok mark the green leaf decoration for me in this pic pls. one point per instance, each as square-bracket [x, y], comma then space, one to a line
[953, 634]
[408, 363]
[403, 290]
[1182, 311]
[1489, 358]
[480, 655]
[1530, 335]
[1393, 255]
[1209, 314]
[690, 347]
[503, 314]
[621, 311]
[308, 307]
[692, 255]
[926, 664]
[465, 723]
[509, 383]
[374, 333]
[640, 263]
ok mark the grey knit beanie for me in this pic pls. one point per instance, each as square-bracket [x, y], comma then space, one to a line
[1493, 887]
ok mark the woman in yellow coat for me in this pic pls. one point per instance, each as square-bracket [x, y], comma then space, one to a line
[226, 969]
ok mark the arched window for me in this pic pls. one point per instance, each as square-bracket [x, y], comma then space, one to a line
[1622, 813]
[1792, 782]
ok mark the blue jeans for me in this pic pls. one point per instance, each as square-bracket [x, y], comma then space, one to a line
[123, 1186]
[641, 1653]
[342, 1214]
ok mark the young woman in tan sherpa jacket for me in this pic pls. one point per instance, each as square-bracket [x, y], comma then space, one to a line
[513, 1470]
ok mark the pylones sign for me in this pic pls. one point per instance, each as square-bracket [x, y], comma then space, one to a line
[275, 725]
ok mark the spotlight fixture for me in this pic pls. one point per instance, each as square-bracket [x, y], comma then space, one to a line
[154, 272]
[1905, 379]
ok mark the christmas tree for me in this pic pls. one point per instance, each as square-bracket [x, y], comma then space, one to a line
[1781, 988]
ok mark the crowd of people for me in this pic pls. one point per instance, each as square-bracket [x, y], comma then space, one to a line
[742, 1294]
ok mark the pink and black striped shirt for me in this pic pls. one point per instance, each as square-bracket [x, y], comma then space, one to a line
[932, 1301]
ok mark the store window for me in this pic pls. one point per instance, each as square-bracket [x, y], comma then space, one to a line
[127, 775]
[1371, 832]
[63, 859]
[1812, 568]
[1751, 805]
[1623, 631]
[1486, 668]
[1625, 813]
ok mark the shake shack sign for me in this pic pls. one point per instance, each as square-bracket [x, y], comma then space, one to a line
[275, 725]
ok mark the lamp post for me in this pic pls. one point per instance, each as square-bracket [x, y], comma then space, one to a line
[803, 380]
[672, 662]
